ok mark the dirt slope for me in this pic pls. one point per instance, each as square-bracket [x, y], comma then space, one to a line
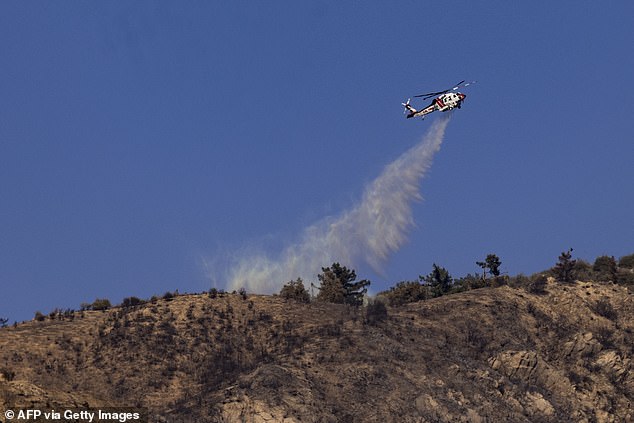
[488, 355]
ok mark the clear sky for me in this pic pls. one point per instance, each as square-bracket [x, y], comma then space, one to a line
[141, 141]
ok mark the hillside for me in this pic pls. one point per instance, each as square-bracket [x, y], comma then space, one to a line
[487, 355]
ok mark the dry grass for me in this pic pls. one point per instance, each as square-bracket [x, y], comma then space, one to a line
[194, 358]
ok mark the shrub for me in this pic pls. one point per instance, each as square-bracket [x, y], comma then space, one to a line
[537, 284]
[3, 322]
[604, 335]
[8, 374]
[406, 292]
[519, 281]
[475, 337]
[131, 302]
[583, 271]
[626, 277]
[243, 293]
[500, 280]
[101, 304]
[375, 312]
[168, 296]
[627, 261]
[295, 290]
[39, 316]
[213, 293]
[604, 308]
[469, 282]
[605, 269]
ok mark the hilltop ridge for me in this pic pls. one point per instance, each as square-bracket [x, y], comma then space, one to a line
[491, 354]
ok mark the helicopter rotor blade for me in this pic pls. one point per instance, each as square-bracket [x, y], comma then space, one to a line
[457, 86]
[462, 84]
[429, 95]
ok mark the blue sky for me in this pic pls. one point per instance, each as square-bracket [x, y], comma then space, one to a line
[141, 140]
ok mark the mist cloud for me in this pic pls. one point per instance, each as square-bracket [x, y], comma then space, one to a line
[368, 233]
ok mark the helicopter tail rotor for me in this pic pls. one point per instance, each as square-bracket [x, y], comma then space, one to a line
[405, 106]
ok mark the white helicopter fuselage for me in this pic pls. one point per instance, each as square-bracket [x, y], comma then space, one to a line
[443, 103]
[449, 101]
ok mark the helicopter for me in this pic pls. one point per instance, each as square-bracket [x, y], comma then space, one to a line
[444, 100]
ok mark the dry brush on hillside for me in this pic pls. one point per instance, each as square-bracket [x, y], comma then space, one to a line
[492, 354]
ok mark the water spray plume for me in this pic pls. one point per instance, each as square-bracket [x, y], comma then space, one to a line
[367, 233]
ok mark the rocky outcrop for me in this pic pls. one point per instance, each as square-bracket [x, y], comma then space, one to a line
[529, 368]
[581, 345]
[20, 393]
[246, 410]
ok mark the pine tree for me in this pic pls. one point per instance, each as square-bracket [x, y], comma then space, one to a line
[492, 263]
[338, 286]
[564, 268]
[439, 280]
